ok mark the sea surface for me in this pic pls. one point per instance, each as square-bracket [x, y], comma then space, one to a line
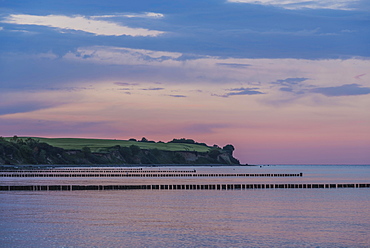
[192, 218]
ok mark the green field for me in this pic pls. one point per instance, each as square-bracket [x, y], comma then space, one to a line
[101, 145]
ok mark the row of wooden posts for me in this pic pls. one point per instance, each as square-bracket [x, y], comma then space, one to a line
[147, 175]
[180, 187]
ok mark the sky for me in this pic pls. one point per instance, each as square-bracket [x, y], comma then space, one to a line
[284, 81]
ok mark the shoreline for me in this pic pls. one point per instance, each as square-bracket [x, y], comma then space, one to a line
[48, 166]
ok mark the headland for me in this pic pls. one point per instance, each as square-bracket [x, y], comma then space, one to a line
[35, 151]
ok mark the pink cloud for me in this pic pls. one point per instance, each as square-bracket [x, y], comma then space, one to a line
[359, 76]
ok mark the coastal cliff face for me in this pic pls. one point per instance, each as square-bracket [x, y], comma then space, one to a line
[32, 152]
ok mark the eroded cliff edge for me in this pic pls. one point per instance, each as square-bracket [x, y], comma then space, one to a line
[23, 151]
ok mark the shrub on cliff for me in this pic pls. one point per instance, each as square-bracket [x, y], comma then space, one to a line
[229, 149]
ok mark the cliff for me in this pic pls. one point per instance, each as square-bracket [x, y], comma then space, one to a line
[18, 151]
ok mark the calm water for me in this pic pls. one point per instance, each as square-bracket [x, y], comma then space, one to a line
[240, 218]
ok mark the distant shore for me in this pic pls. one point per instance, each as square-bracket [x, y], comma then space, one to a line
[47, 166]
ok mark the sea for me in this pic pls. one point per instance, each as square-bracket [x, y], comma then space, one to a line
[280, 217]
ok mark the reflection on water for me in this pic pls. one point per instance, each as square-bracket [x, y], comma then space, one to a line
[145, 218]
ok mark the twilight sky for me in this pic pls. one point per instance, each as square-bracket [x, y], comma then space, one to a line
[284, 81]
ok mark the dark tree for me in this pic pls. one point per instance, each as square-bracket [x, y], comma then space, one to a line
[229, 149]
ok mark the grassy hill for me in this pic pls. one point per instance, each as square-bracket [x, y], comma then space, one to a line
[27, 150]
[102, 145]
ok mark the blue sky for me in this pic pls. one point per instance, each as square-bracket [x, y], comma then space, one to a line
[257, 74]
[216, 28]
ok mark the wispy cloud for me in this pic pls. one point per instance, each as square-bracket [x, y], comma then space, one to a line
[234, 65]
[300, 4]
[343, 90]
[244, 91]
[145, 15]
[132, 15]
[125, 84]
[178, 96]
[240, 92]
[120, 55]
[153, 88]
[292, 85]
[294, 32]
[289, 81]
[69, 89]
[359, 76]
[80, 23]
[23, 107]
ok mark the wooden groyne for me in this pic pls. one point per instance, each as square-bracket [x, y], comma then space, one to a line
[180, 187]
[95, 170]
[138, 174]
